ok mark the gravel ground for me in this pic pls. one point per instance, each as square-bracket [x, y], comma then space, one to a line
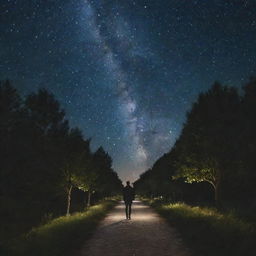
[145, 234]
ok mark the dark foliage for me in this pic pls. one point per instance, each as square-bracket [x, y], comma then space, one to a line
[42, 161]
[215, 153]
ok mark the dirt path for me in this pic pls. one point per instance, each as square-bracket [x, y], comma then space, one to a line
[145, 234]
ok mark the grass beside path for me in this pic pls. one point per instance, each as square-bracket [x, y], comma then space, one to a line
[208, 232]
[61, 236]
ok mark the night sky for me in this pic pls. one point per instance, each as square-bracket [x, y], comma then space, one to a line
[126, 72]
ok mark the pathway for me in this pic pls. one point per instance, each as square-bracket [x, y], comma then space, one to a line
[145, 234]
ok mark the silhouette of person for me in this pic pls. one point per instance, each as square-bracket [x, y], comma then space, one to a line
[128, 196]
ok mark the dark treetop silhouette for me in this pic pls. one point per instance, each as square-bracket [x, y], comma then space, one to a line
[128, 196]
[45, 164]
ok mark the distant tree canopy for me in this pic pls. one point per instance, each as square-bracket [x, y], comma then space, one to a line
[217, 146]
[43, 160]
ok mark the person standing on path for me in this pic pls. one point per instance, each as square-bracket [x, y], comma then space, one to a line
[128, 196]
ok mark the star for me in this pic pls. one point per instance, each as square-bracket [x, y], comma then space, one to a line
[127, 72]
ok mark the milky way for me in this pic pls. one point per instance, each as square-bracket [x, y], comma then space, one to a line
[126, 72]
[137, 125]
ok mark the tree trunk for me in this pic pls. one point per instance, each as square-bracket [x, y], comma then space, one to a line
[89, 199]
[217, 195]
[216, 186]
[69, 199]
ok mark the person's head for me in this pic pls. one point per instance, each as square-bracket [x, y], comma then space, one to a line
[128, 183]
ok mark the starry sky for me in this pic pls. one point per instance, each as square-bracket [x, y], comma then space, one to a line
[126, 72]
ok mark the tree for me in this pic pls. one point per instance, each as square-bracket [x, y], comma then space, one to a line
[30, 155]
[88, 182]
[42, 160]
[247, 142]
[76, 155]
[207, 144]
[46, 131]
[10, 115]
[102, 163]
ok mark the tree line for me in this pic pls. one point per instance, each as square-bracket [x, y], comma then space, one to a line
[44, 163]
[213, 160]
